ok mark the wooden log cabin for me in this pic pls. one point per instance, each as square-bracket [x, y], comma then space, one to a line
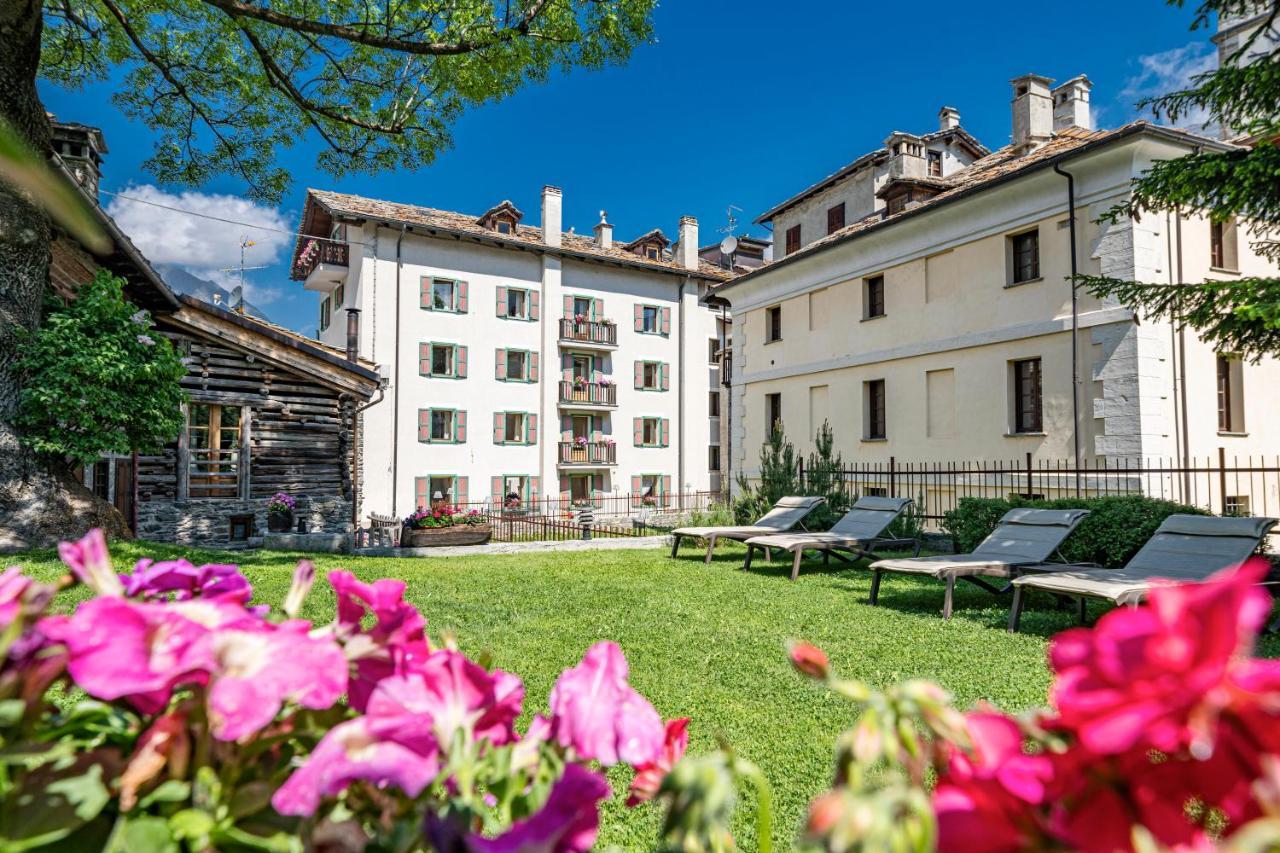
[268, 410]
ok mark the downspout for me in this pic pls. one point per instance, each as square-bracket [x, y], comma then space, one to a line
[1182, 358]
[1173, 343]
[1075, 323]
[395, 410]
[355, 452]
[680, 407]
[726, 402]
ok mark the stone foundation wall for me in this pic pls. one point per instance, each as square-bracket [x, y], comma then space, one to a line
[207, 523]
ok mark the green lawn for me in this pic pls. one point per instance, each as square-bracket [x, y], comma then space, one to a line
[706, 642]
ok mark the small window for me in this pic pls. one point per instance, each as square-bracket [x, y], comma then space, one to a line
[835, 218]
[650, 320]
[876, 427]
[1027, 396]
[713, 351]
[339, 297]
[517, 304]
[876, 492]
[652, 252]
[581, 426]
[1025, 250]
[441, 360]
[772, 413]
[1236, 505]
[441, 425]
[650, 432]
[240, 527]
[935, 164]
[651, 376]
[582, 368]
[517, 365]
[513, 424]
[443, 294]
[503, 226]
[873, 297]
[580, 489]
[713, 404]
[1223, 252]
[326, 308]
[439, 489]
[793, 239]
[213, 441]
[582, 308]
[773, 324]
[1230, 376]
[713, 458]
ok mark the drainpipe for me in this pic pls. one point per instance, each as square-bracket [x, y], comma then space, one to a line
[1182, 358]
[1178, 438]
[680, 407]
[355, 452]
[1075, 323]
[395, 410]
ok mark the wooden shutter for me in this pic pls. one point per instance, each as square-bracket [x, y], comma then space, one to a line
[564, 487]
[460, 427]
[597, 427]
[639, 374]
[566, 367]
[500, 364]
[499, 427]
[495, 491]
[566, 428]
[568, 307]
[666, 321]
[533, 367]
[535, 305]
[531, 428]
[461, 288]
[639, 317]
[502, 302]
[420, 496]
[597, 367]
[460, 362]
[424, 359]
[665, 438]
[637, 484]
[665, 485]
[597, 309]
[597, 487]
[460, 491]
[637, 431]
[535, 489]
[424, 292]
[665, 370]
[424, 424]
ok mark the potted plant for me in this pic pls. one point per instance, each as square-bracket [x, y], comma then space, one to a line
[445, 525]
[280, 512]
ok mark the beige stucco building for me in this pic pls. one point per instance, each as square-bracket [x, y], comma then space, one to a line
[932, 319]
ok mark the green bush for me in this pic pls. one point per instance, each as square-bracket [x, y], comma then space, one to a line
[1110, 535]
[778, 469]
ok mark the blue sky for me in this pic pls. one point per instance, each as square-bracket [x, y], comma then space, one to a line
[741, 104]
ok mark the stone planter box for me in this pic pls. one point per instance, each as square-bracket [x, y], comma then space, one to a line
[432, 537]
[280, 522]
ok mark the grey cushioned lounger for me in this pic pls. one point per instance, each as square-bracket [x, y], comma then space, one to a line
[785, 515]
[859, 531]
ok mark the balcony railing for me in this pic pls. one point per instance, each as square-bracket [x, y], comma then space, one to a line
[317, 252]
[589, 393]
[589, 453]
[589, 331]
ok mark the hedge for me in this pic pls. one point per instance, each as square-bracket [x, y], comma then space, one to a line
[1110, 535]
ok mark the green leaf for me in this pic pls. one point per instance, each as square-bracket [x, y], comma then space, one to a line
[250, 799]
[171, 791]
[52, 805]
[11, 711]
[191, 824]
[142, 834]
[280, 842]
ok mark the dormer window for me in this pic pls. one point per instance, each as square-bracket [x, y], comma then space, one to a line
[650, 246]
[502, 226]
[652, 252]
[502, 219]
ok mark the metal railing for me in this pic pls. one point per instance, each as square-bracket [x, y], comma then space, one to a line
[588, 331]
[318, 252]
[589, 393]
[1222, 484]
[588, 453]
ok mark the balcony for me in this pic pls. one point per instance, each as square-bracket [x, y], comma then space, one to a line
[591, 454]
[588, 395]
[322, 265]
[596, 334]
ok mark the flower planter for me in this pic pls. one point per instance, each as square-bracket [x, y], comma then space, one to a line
[280, 522]
[458, 534]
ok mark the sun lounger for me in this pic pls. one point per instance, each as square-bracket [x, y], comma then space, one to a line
[1184, 549]
[859, 532]
[1022, 537]
[786, 514]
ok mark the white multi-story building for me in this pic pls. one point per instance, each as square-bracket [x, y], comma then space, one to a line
[521, 362]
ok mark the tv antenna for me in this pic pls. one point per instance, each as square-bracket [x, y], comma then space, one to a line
[732, 220]
[237, 295]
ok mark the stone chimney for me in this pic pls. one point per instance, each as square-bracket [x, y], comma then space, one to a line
[948, 117]
[1032, 112]
[551, 204]
[81, 147]
[906, 155]
[687, 249]
[1071, 104]
[604, 232]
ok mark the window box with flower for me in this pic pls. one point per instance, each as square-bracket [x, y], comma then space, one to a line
[445, 525]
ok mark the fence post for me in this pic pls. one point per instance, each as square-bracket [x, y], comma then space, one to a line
[1222, 479]
[893, 485]
[800, 472]
[1030, 491]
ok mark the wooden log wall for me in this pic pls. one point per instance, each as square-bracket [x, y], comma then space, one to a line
[297, 432]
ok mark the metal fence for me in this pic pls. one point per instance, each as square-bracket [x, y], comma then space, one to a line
[1223, 484]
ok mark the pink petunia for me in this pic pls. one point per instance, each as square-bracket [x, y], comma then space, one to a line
[255, 672]
[90, 561]
[351, 752]
[596, 712]
[566, 823]
[13, 591]
[649, 776]
[179, 580]
[394, 644]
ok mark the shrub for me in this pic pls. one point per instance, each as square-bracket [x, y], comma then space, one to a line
[823, 476]
[715, 515]
[1110, 535]
[778, 478]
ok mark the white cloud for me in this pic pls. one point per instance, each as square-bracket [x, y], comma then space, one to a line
[200, 245]
[1172, 71]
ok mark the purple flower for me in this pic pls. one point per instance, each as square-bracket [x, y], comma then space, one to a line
[146, 340]
[566, 823]
[596, 713]
[91, 563]
[282, 502]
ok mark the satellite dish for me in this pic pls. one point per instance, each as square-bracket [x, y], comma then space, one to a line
[729, 245]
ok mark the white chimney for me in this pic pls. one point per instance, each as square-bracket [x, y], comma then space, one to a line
[688, 248]
[604, 232]
[906, 155]
[1032, 112]
[551, 203]
[948, 117]
[1071, 104]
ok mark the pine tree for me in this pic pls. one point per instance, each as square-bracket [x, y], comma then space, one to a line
[823, 473]
[778, 478]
